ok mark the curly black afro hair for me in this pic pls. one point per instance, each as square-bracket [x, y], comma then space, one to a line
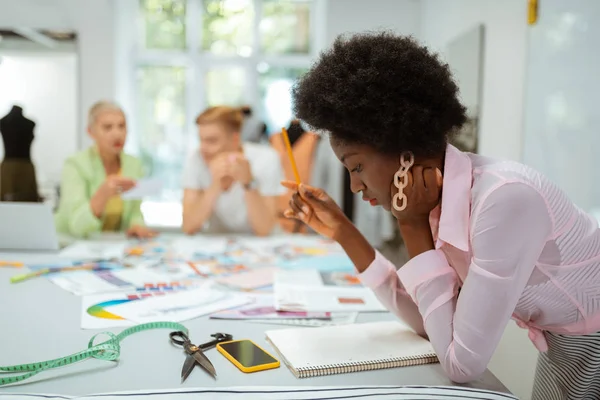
[382, 90]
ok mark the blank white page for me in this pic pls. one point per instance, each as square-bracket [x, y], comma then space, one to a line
[349, 344]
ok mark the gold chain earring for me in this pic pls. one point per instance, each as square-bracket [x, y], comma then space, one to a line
[407, 159]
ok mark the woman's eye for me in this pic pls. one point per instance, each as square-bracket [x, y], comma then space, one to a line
[358, 168]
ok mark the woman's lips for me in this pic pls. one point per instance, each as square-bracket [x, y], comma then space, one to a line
[372, 202]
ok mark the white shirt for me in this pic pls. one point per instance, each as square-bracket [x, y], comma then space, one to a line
[230, 214]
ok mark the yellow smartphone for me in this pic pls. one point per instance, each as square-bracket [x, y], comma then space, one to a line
[247, 355]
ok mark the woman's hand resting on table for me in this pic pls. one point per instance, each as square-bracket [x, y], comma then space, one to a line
[141, 232]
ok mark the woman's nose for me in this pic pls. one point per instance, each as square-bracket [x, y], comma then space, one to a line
[356, 185]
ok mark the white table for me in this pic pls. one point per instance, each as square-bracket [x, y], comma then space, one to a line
[40, 321]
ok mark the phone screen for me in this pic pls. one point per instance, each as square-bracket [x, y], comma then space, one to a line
[247, 353]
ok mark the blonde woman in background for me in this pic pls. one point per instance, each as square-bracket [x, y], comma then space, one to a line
[94, 179]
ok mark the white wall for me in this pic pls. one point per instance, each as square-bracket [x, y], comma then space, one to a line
[504, 62]
[502, 119]
[93, 21]
[561, 131]
[45, 85]
[343, 16]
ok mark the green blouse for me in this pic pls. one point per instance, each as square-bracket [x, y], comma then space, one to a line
[82, 175]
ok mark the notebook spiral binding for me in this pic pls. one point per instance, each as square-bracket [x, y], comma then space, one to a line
[331, 369]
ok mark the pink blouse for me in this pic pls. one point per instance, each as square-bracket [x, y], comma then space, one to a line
[515, 245]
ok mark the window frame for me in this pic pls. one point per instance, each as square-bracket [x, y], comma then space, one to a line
[131, 54]
[198, 63]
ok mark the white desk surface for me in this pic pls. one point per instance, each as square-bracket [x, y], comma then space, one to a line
[40, 321]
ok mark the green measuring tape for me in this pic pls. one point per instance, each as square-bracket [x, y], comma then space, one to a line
[108, 350]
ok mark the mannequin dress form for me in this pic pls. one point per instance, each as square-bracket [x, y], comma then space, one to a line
[17, 173]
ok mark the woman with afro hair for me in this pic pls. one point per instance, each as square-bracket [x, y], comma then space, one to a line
[496, 231]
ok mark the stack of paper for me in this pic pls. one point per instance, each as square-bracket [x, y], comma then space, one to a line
[139, 280]
[314, 291]
[94, 250]
[262, 311]
[124, 309]
[143, 188]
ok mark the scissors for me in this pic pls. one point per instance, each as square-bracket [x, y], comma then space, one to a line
[195, 354]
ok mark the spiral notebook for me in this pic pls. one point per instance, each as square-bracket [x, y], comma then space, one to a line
[350, 348]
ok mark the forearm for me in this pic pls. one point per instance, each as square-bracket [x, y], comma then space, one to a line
[356, 246]
[195, 214]
[81, 219]
[137, 217]
[261, 217]
[379, 274]
[98, 203]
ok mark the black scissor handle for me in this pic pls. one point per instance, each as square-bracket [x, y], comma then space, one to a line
[179, 337]
[222, 337]
[219, 338]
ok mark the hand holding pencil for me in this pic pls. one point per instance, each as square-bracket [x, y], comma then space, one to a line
[288, 147]
[313, 206]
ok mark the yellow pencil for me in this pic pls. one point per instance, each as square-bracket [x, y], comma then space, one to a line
[288, 147]
[15, 264]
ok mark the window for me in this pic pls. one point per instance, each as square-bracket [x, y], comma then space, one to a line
[227, 27]
[225, 85]
[275, 84]
[164, 24]
[161, 112]
[285, 27]
[191, 54]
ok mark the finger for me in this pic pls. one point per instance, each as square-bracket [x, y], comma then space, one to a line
[296, 205]
[123, 188]
[439, 177]
[417, 175]
[290, 185]
[224, 168]
[225, 171]
[225, 164]
[288, 213]
[125, 181]
[430, 178]
[235, 157]
[409, 179]
[315, 197]
[296, 212]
